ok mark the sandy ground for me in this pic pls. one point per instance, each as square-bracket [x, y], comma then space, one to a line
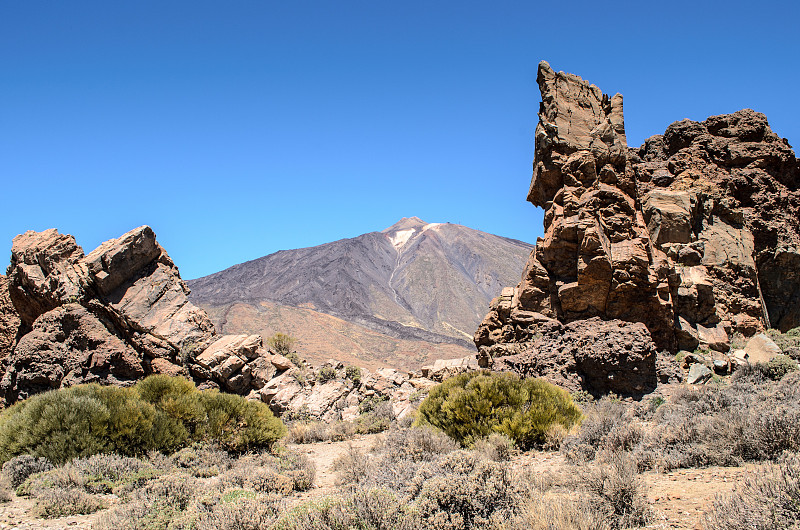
[679, 498]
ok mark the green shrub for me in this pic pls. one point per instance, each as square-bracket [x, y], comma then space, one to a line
[353, 373]
[281, 343]
[237, 424]
[777, 367]
[85, 420]
[325, 374]
[160, 413]
[473, 405]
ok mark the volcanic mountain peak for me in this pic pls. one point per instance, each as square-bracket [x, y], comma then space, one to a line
[414, 281]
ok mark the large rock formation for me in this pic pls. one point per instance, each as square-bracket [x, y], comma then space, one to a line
[694, 235]
[111, 316]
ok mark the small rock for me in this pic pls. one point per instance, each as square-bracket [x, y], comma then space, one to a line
[699, 374]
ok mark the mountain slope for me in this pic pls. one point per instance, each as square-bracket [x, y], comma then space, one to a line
[413, 281]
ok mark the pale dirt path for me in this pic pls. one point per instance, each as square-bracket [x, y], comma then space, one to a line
[324, 454]
[16, 515]
[681, 497]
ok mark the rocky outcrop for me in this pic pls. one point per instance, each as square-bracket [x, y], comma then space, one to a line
[735, 239]
[333, 392]
[111, 316]
[69, 345]
[677, 244]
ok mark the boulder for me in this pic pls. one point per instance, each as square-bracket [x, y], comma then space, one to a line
[594, 355]
[441, 369]
[760, 349]
[46, 271]
[699, 374]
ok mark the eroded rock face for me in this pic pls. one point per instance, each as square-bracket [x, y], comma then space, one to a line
[111, 316]
[67, 346]
[739, 227]
[9, 320]
[695, 235]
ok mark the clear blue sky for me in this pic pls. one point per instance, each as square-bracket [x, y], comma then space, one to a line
[236, 129]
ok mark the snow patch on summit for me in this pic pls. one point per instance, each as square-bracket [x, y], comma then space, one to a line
[401, 237]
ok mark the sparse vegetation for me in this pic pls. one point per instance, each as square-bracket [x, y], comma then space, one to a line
[750, 419]
[769, 498]
[476, 404]
[325, 374]
[378, 416]
[353, 373]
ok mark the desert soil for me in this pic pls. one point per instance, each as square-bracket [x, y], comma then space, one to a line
[679, 498]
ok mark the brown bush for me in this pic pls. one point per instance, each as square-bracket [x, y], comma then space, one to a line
[61, 502]
[619, 492]
[746, 420]
[767, 499]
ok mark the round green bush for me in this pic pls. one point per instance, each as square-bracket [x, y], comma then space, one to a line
[473, 405]
[159, 413]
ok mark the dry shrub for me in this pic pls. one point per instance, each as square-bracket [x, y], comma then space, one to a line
[553, 511]
[395, 460]
[61, 502]
[6, 492]
[618, 491]
[239, 513]
[470, 493]
[94, 474]
[203, 460]
[266, 473]
[419, 444]
[161, 503]
[745, 421]
[363, 509]
[609, 425]
[496, 446]
[339, 431]
[308, 432]
[766, 500]
[21, 467]
[352, 467]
